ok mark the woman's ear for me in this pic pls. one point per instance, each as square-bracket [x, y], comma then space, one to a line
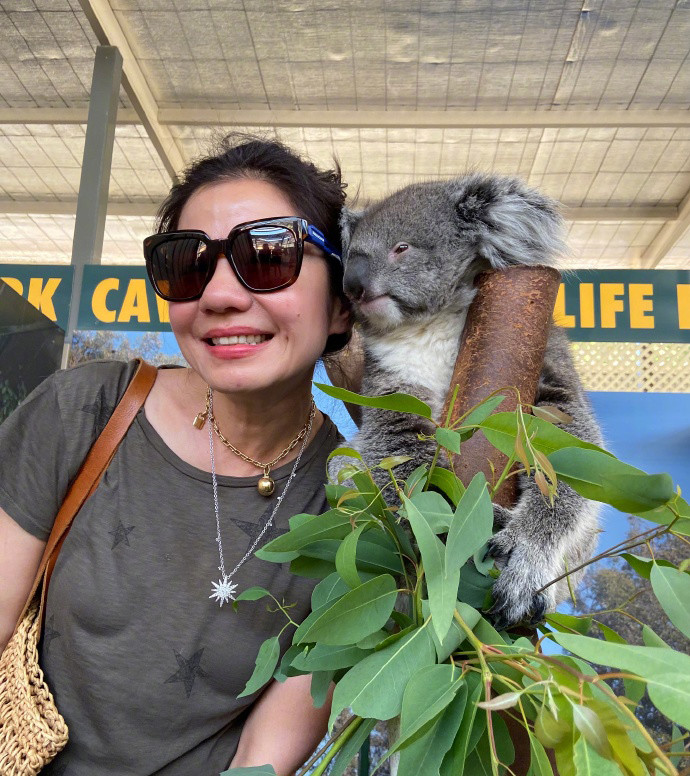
[341, 316]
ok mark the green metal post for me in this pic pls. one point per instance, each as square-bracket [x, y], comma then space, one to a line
[92, 202]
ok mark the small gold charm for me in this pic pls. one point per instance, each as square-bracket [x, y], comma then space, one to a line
[265, 485]
[199, 420]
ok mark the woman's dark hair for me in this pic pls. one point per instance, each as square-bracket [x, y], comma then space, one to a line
[318, 195]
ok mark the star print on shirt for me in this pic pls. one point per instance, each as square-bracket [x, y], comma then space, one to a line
[49, 633]
[100, 409]
[188, 670]
[254, 529]
[121, 534]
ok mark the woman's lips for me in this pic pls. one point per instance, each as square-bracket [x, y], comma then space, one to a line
[236, 345]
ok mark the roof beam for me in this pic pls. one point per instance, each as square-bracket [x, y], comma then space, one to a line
[383, 119]
[668, 236]
[60, 116]
[56, 207]
[107, 29]
[663, 213]
[147, 209]
[364, 119]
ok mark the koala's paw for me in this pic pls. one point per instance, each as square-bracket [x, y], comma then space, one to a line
[522, 574]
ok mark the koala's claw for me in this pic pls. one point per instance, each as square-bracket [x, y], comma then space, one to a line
[522, 574]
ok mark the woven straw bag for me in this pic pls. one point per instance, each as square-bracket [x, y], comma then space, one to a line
[32, 731]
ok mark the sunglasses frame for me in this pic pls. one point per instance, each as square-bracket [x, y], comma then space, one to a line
[300, 227]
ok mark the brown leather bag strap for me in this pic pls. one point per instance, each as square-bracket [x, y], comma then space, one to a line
[91, 471]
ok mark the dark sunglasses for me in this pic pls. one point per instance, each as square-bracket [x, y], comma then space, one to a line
[266, 255]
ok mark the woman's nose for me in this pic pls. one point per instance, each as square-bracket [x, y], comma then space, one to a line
[224, 290]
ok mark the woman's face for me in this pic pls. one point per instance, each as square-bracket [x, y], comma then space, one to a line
[286, 329]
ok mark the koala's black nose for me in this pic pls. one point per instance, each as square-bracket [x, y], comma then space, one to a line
[356, 278]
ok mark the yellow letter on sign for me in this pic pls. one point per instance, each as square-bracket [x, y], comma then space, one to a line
[41, 297]
[610, 303]
[640, 305]
[136, 303]
[683, 292]
[98, 300]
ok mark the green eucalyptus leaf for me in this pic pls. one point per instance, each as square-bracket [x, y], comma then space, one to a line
[456, 635]
[591, 729]
[425, 755]
[398, 402]
[486, 633]
[469, 732]
[371, 493]
[677, 751]
[652, 639]
[255, 770]
[328, 589]
[442, 582]
[320, 685]
[634, 689]
[426, 695]
[286, 669]
[666, 671]
[435, 509]
[312, 568]
[641, 565]
[447, 482]
[324, 657]
[334, 524]
[372, 558]
[251, 594]
[351, 747]
[479, 415]
[346, 557]
[415, 481]
[599, 476]
[588, 762]
[339, 495]
[474, 588]
[448, 439]
[351, 617]
[472, 523]
[502, 428]
[375, 686]
[539, 760]
[567, 623]
[373, 639]
[393, 460]
[664, 516]
[672, 589]
[266, 662]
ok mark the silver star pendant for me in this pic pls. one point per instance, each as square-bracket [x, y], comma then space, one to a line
[223, 590]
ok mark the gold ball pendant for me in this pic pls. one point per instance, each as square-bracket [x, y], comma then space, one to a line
[265, 486]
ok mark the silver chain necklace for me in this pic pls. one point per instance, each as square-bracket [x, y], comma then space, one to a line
[223, 590]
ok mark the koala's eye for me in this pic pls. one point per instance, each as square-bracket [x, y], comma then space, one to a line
[401, 247]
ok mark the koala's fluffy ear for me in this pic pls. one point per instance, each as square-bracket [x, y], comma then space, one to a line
[348, 222]
[507, 222]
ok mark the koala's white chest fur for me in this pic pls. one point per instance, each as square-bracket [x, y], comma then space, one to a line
[422, 353]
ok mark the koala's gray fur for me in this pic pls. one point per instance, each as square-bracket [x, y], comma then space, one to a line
[411, 304]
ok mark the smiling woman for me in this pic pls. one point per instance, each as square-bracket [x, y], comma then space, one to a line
[222, 453]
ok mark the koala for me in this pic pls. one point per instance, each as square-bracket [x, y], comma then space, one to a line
[410, 264]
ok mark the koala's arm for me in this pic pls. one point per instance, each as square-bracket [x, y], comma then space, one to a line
[537, 542]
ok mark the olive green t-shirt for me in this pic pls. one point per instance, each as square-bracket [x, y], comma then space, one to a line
[145, 668]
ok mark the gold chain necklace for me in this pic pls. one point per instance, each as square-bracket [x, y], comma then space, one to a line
[265, 485]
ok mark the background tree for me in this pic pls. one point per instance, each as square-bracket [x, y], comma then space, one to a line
[609, 587]
[92, 345]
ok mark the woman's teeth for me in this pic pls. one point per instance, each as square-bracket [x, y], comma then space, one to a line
[240, 339]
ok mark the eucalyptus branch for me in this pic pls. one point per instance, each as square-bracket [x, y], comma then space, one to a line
[486, 680]
[352, 721]
[628, 544]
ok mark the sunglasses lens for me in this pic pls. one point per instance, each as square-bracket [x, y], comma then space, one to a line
[179, 267]
[266, 257]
